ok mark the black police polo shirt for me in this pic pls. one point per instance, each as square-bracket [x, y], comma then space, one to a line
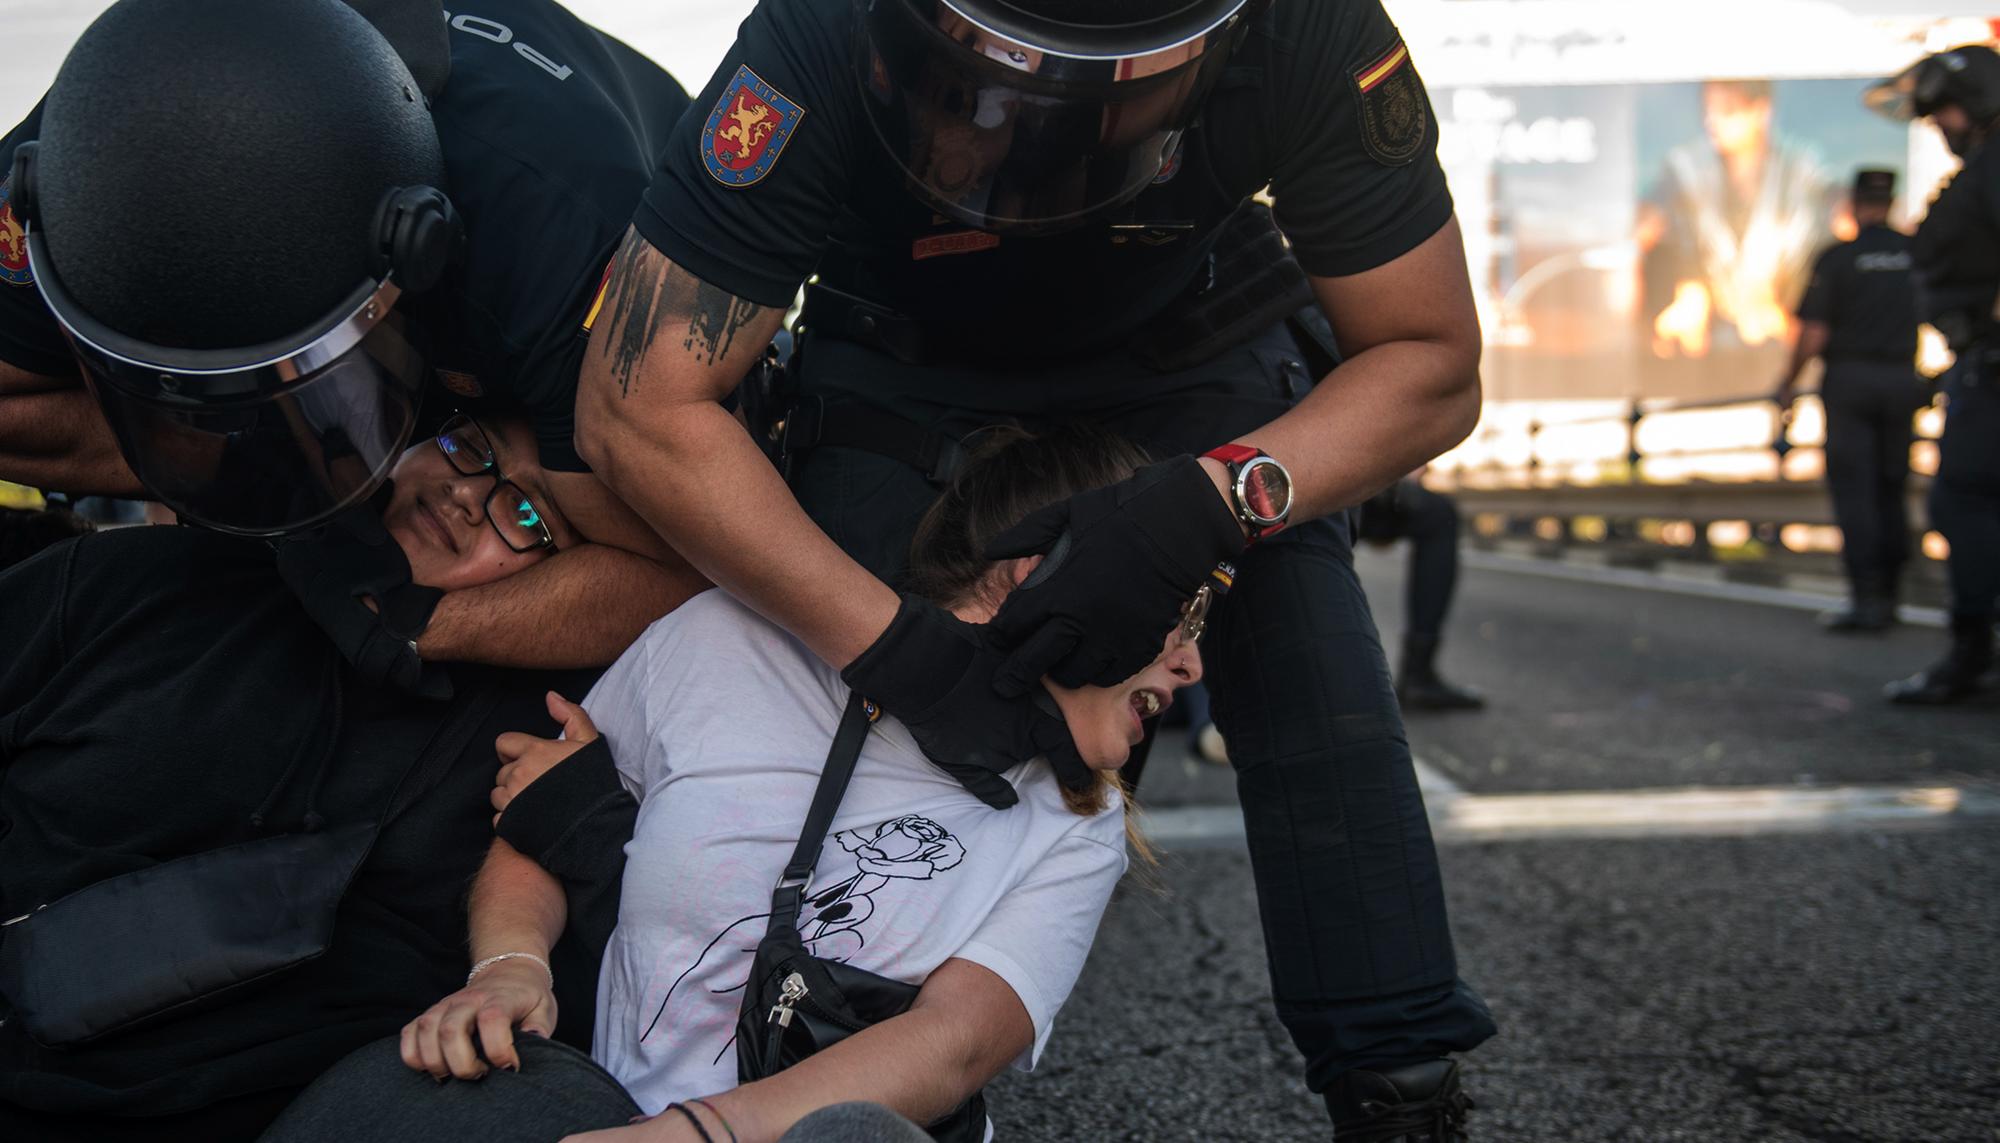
[1957, 249]
[551, 132]
[1863, 291]
[1321, 103]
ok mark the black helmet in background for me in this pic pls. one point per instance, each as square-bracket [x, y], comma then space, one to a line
[1967, 77]
[226, 200]
[1034, 116]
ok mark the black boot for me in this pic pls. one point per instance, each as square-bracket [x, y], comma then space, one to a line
[1866, 614]
[1418, 686]
[1956, 676]
[1416, 1103]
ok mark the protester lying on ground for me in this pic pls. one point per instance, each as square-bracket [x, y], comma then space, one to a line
[720, 722]
[164, 695]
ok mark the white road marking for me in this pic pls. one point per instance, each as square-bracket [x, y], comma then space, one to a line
[1678, 585]
[1696, 811]
[1435, 784]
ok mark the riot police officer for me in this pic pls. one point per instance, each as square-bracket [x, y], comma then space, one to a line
[1859, 315]
[1035, 210]
[1957, 252]
[240, 240]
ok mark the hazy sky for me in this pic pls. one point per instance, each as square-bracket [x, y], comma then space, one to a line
[688, 36]
[685, 36]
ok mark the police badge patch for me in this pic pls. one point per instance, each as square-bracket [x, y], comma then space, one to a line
[1394, 111]
[13, 244]
[748, 129]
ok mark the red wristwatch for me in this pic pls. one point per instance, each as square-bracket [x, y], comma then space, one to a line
[1259, 486]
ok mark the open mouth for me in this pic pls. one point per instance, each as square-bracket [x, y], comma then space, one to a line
[1149, 703]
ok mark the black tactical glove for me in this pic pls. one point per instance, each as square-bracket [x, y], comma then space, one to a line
[335, 568]
[1119, 563]
[934, 671]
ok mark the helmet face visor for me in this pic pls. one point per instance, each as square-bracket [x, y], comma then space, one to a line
[258, 441]
[1012, 136]
[1910, 94]
[1893, 98]
[277, 463]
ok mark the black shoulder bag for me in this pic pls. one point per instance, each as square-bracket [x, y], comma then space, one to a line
[797, 1004]
[188, 934]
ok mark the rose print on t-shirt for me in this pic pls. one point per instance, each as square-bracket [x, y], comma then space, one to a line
[910, 848]
[907, 847]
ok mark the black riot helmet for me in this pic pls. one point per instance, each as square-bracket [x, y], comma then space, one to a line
[1968, 76]
[1032, 116]
[226, 200]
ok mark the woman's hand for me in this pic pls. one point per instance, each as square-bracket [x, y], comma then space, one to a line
[507, 995]
[525, 757]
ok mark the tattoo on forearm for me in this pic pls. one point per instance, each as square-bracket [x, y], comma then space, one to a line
[637, 288]
[713, 320]
[650, 292]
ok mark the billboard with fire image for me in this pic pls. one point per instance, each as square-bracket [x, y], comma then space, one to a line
[1651, 240]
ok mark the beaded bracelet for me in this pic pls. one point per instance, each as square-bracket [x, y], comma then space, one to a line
[490, 961]
[710, 1108]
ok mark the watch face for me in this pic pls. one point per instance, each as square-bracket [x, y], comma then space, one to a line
[1266, 490]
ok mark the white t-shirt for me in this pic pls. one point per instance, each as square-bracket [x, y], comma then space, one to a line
[720, 723]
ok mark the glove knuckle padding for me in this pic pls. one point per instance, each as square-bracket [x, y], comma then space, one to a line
[1132, 554]
[1032, 536]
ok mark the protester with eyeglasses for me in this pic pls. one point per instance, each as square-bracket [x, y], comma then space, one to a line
[165, 695]
[454, 498]
[715, 722]
[249, 249]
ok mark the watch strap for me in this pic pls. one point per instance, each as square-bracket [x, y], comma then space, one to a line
[1234, 454]
[1234, 457]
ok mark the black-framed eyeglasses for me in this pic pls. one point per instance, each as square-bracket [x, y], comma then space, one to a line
[510, 510]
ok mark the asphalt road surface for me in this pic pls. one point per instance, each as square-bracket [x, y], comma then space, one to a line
[1831, 982]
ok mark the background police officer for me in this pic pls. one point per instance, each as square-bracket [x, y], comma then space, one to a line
[1033, 210]
[261, 230]
[1429, 520]
[1859, 315]
[1957, 252]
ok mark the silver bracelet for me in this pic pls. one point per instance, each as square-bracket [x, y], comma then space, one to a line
[490, 961]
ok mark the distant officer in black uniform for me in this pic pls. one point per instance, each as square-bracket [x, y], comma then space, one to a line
[1429, 520]
[259, 231]
[1859, 314]
[1957, 252]
[1037, 210]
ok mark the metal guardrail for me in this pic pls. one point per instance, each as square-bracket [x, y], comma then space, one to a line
[1621, 490]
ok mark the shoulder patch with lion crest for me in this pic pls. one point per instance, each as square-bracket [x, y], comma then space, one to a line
[1394, 111]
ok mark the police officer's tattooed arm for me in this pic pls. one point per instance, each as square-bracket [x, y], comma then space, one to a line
[52, 436]
[1407, 391]
[651, 423]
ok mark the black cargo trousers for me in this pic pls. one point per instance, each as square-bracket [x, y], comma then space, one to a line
[1870, 410]
[1361, 959]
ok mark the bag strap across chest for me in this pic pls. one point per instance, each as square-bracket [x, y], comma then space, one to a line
[789, 894]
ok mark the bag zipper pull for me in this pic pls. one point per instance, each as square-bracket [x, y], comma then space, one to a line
[790, 993]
